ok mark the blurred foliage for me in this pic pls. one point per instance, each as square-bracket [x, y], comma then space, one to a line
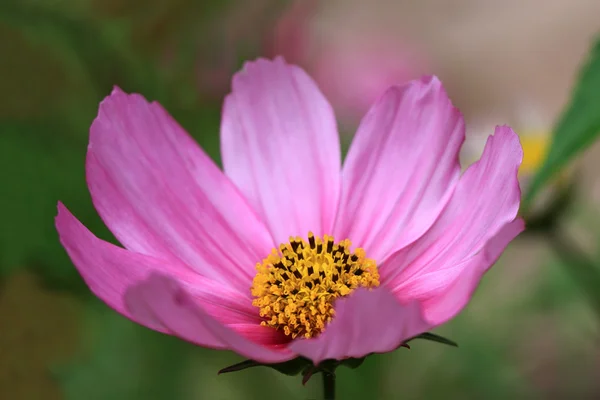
[36, 171]
[583, 270]
[124, 361]
[578, 126]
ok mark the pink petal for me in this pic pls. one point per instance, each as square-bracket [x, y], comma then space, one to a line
[443, 306]
[485, 201]
[109, 270]
[367, 321]
[401, 168]
[177, 310]
[280, 146]
[162, 196]
[255, 332]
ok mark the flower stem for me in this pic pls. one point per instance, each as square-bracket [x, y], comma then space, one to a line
[328, 386]
[582, 268]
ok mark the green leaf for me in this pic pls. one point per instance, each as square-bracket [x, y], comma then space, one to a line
[434, 338]
[298, 365]
[240, 366]
[125, 361]
[290, 368]
[577, 128]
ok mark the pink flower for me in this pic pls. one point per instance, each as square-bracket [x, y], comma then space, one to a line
[199, 263]
[355, 72]
[291, 36]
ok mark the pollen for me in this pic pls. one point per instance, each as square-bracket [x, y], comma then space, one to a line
[296, 285]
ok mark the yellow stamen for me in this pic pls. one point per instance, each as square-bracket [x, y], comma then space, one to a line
[296, 285]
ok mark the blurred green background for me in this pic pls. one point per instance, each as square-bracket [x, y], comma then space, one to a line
[531, 331]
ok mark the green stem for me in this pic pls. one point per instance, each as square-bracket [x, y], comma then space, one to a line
[328, 386]
[582, 268]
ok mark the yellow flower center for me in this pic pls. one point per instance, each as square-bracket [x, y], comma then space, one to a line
[535, 144]
[296, 285]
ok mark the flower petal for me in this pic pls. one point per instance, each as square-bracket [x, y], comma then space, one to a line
[485, 201]
[260, 334]
[366, 321]
[177, 310]
[442, 306]
[280, 146]
[401, 168]
[162, 196]
[109, 270]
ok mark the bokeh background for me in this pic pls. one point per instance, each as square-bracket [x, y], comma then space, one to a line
[531, 331]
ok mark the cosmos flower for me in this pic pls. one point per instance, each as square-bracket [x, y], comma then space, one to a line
[285, 252]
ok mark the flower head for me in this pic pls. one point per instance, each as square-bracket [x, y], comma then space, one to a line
[286, 253]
